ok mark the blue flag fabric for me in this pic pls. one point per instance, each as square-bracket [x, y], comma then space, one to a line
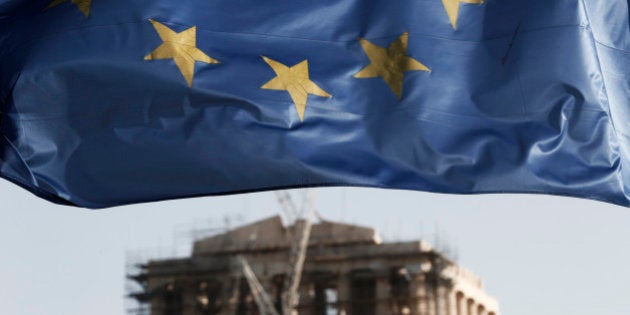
[111, 102]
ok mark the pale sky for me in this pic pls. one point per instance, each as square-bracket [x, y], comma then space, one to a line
[536, 254]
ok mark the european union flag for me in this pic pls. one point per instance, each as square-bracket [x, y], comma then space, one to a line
[111, 102]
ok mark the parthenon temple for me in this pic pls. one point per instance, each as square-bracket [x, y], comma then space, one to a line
[348, 271]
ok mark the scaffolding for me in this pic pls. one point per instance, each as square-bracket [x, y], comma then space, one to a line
[293, 266]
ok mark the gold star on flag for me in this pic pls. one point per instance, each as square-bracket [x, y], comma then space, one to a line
[389, 63]
[83, 5]
[452, 9]
[181, 47]
[294, 80]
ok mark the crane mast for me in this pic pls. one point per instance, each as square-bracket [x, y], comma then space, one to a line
[297, 256]
[298, 244]
[262, 299]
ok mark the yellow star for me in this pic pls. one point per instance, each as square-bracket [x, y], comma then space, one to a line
[389, 63]
[452, 9]
[294, 80]
[83, 5]
[181, 47]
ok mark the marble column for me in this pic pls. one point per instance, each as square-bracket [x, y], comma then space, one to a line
[452, 303]
[423, 298]
[443, 301]
[471, 307]
[383, 295]
[462, 304]
[343, 294]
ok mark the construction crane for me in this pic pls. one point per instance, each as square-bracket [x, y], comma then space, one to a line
[298, 239]
[289, 208]
[262, 299]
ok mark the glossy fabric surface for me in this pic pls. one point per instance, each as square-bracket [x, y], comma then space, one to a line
[529, 96]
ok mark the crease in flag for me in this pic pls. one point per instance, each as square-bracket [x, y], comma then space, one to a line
[107, 103]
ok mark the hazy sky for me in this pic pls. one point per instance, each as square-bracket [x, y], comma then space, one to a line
[537, 254]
